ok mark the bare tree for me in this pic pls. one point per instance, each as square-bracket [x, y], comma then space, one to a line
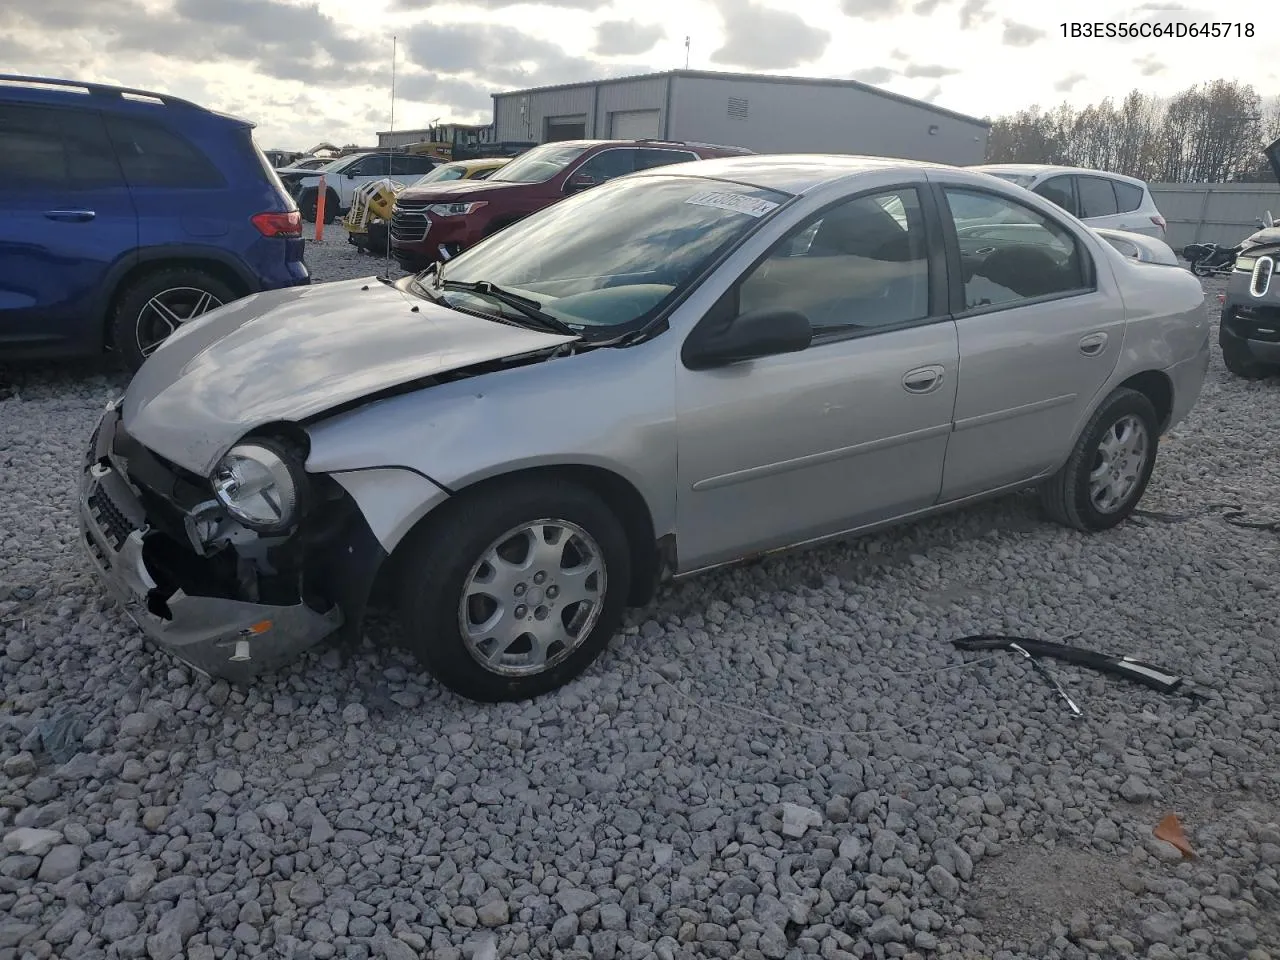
[1208, 133]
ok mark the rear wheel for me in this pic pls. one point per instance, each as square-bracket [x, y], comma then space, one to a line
[516, 590]
[1109, 467]
[154, 306]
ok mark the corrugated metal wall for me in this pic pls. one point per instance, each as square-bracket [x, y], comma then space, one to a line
[817, 118]
[1213, 212]
[648, 94]
[781, 117]
[510, 124]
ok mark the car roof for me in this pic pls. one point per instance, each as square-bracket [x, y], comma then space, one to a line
[56, 90]
[1040, 169]
[791, 173]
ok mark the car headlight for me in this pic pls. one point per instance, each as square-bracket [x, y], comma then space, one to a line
[455, 209]
[259, 485]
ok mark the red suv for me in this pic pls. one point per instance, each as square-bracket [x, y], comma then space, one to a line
[438, 220]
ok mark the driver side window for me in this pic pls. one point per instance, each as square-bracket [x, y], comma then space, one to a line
[859, 266]
[1010, 253]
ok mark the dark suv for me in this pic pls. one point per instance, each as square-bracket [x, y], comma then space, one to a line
[125, 213]
[1249, 332]
[439, 220]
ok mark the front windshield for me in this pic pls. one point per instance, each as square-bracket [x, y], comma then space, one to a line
[611, 257]
[447, 171]
[334, 166]
[540, 163]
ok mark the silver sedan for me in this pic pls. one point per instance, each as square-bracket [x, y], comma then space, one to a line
[675, 370]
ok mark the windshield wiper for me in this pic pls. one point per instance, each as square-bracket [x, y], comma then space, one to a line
[530, 309]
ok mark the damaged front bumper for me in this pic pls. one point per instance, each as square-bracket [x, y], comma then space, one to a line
[158, 581]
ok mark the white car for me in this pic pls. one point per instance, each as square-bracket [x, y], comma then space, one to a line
[347, 174]
[1098, 197]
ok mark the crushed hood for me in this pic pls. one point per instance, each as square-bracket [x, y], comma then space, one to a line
[290, 354]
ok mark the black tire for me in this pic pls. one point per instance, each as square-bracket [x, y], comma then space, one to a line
[307, 205]
[135, 325]
[435, 565]
[1066, 496]
[1242, 366]
[1200, 270]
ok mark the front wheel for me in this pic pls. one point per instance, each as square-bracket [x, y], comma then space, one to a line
[516, 590]
[1109, 467]
[307, 205]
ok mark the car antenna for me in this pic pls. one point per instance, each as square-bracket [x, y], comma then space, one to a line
[391, 145]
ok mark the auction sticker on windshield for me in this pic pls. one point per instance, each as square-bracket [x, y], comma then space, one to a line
[751, 206]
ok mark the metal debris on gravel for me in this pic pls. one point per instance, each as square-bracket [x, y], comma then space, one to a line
[783, 760]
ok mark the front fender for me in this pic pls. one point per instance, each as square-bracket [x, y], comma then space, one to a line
[391, 499]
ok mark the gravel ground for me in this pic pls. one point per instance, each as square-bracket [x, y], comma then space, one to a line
[783, 760]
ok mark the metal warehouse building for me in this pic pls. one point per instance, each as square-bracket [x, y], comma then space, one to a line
[767, 114]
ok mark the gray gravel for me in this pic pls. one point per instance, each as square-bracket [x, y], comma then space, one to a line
[905, 806]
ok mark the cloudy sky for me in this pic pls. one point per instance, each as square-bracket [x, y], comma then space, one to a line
[307, 71]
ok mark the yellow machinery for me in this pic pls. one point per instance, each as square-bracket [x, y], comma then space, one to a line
[372, 203]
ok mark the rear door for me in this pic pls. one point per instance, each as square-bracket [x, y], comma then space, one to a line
[65, 217]
[1040, 327]
[181, 196]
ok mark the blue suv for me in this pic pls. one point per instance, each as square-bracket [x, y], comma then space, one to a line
[125, 213]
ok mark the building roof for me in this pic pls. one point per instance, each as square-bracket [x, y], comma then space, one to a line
[756, 78]
[438, 126]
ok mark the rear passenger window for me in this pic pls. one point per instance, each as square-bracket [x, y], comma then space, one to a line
[1010, 253]
[1097, 198]
[1128, 197]
[67, 149]
[153, 156]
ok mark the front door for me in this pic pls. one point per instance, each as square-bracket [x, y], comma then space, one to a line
[850, 431]
[1040, 330]
[65, 218]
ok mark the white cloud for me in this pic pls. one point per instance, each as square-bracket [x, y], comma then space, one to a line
[310, 70]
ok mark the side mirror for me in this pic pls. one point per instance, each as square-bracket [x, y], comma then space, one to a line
[759, 333]
[579, 181]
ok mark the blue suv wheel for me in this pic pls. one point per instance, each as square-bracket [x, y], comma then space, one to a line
[128, 213]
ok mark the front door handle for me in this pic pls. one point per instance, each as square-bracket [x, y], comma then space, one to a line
[1093, 344]
[71, 216]
[923, 379]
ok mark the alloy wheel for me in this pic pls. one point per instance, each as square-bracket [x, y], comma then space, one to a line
[1118, 464]
[532, 598]
[161, 316]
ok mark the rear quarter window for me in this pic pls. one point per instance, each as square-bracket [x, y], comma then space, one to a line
[152, 155]
[1128, 197]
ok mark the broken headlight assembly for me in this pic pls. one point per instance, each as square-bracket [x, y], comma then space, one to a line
[260, 484]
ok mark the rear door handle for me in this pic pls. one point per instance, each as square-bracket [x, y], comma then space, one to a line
[923, 379]
[1093, 344]
[71, 216]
